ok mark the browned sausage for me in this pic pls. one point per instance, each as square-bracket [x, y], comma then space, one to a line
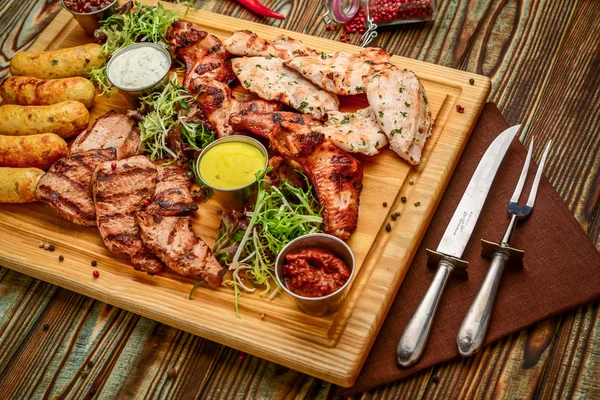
[17, 185]
[62, 63]
[39, 151]
[66, 119]
[25, 90]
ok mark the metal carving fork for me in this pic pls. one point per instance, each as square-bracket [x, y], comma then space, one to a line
[475, 325]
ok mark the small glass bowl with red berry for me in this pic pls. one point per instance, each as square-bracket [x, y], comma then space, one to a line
[89, 13]
[364, 16]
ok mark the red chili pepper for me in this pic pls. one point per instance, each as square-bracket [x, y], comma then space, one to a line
[255, 6]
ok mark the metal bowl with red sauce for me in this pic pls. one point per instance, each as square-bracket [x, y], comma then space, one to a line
[316, 270]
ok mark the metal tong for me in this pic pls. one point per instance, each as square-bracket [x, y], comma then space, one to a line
[474, 327]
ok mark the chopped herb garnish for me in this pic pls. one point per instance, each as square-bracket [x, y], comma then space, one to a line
[302, 106]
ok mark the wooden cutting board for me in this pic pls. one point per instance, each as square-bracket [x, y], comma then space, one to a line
[331, 348]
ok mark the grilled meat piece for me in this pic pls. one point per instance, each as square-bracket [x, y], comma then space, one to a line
[263, 123]
[118, 194]
[111, 130]
[355, 132]
[335, 174]
[218, 104]
[246, 43]
[399, 103]
[174, 242]
[203, 54]
[269, 79]
[341, 73]
[66, 186]
[172, 195]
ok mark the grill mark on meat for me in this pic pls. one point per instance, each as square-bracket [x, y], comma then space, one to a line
[172, 195]
[66, 186]
[118, 194]
[173, 241]
[57, 200]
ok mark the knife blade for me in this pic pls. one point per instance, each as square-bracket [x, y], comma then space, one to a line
[448, 254]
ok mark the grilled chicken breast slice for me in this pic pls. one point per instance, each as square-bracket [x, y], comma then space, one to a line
[268, 78]
[119, 193]
[342, 73]
[174, 242]
[335, 174]
[66, 185]
[111, 130]
[399, 103]
[203, 54]
[354, 132]
[263, 123]
[217, 104]
[246, 43]
[172, 195]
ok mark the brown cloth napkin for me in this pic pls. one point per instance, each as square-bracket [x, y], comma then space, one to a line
[561, 266]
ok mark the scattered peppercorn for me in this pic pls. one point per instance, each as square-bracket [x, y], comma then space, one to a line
[51, 247]
[472, 81]
[46, 327]
[172, 373]
[388, 227]
[61, 258]
[113, 166]
[417, 204]
[94, 263]
[435, 379]
[395, 215]
[384, 204]
[46, 246]
[403, 199]
[460, 108]
[90, 364]
[328, 27]
[42, 245]
[96, 273]
[242, 356]
[411, 182]
[93, 390]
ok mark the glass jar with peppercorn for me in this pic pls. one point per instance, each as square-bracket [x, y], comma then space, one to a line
[364, 16]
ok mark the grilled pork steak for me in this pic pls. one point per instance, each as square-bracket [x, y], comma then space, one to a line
[66, 185]
[173, 241]
[110, 130]
[172, 195]
[119, 193]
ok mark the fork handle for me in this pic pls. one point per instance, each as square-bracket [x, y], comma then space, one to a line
[474, 326]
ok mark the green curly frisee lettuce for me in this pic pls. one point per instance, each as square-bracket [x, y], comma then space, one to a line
[164, 114]
[279, 215]
[138, 24]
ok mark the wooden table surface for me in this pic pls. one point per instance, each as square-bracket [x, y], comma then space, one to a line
[543, 57]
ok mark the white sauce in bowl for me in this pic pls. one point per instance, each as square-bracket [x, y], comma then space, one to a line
[138, 68]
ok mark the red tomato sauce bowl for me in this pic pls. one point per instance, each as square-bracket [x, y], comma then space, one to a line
[316, 270]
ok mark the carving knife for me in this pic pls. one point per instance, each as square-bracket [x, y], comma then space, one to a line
[448, 254]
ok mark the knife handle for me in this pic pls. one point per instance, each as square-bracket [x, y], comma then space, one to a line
[474, 326]
[413, 339]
